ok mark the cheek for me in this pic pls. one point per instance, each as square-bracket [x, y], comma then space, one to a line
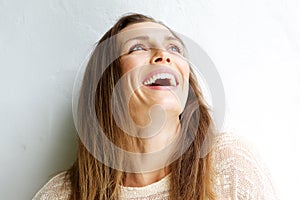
[126, 65]
[187, 72]
[184, 68]
[130, 62]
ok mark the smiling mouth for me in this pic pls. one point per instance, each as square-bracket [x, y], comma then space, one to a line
[161, 79]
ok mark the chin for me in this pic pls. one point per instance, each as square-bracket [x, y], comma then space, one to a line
[170, 107]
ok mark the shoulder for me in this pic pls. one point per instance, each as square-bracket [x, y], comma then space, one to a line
[57, 188]
[240, 173]
[231, 146]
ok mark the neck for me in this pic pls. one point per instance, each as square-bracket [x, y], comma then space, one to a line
[144, 179]
[161, 139]
[149, 145]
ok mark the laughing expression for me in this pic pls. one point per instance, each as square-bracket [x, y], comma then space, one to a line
[154, 70]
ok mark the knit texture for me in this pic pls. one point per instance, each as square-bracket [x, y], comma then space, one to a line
[240, 174]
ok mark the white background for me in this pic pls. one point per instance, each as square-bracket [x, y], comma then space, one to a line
[254, 44]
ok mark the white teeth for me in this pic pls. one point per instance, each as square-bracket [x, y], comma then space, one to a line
[152, 79]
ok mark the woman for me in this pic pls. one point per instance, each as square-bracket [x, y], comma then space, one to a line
[145, 131]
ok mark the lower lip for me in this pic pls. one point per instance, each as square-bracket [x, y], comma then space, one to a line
[161, 87]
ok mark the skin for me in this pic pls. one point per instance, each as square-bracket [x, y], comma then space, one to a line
[146, 48]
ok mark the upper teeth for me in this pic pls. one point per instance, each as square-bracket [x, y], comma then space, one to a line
[153, 78]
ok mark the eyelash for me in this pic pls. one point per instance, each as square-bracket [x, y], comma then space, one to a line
[178, 49]
[138, 45]
[132, 49]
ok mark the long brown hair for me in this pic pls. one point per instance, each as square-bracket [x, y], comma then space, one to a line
[191, 173]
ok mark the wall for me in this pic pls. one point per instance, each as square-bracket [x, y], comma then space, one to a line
[255, 46]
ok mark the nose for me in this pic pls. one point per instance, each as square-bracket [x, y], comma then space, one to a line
[160, 56]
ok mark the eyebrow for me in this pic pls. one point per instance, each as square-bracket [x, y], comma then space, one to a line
[136, 38]
[147, 38]
[171, 38]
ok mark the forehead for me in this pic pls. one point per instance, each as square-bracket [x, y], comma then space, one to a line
[150, 29]
[144, 25]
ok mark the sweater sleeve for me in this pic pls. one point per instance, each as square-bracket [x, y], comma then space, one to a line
[240, 174]
[55, 189]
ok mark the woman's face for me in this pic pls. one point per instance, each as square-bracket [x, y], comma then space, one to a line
[154, 71]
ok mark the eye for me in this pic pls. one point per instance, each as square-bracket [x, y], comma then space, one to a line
[174, 48]
[137, 47]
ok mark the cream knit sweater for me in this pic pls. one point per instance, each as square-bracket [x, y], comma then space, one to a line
[240, 175]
